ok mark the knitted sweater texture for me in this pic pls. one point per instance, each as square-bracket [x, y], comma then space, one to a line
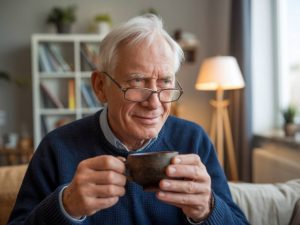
[55, 161]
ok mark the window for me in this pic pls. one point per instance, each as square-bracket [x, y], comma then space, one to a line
[288, 41]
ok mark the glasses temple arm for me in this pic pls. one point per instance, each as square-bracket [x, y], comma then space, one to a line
[112, 79]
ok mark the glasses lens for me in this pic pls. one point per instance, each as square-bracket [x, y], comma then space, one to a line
[137, 94]
[169, 95]
[140, 94]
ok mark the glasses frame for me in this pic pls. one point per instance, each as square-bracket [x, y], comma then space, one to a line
[124, 90]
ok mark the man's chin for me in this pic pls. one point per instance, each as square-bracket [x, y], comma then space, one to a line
[149, 133]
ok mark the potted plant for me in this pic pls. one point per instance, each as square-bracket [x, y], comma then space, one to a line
[103, 22]
[62, 18]
[290, 128]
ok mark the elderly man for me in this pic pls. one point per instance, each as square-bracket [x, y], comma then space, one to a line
[77, 174]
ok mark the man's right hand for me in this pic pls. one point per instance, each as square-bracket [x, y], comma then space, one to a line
[98, 183]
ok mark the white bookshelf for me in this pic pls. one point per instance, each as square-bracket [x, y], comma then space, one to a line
[57, 80]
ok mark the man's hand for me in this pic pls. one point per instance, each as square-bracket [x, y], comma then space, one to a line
[193, 193]
[98, 183]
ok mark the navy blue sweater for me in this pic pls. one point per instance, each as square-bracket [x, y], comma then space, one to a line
[55, 161]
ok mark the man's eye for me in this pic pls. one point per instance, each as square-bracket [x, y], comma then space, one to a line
[136, 82]
[165, 83]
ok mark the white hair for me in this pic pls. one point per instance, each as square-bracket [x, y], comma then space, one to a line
[139, 29]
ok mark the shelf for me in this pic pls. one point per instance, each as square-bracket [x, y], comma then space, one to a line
[90, 110]
[62, 65]
[86, 74]
[68, 37]
[47, 75]
[57, 111]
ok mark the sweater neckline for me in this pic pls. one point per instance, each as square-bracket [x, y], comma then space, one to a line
[114, 150]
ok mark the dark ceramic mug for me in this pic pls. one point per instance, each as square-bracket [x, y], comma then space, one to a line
[147, 169]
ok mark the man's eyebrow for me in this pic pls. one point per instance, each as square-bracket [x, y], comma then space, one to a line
[141, 75]
[135, 75]
[167, 76]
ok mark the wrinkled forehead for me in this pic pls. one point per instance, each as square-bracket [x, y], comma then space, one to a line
[145, 53]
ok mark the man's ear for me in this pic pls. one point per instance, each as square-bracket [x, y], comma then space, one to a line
[98, 85]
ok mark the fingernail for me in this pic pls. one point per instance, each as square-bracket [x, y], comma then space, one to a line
[121, 158]
[162, 194]
[166, 184]
[177, 160]
[172, 169]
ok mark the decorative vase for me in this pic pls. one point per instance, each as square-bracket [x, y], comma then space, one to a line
[63, 28]
[290, 129]
[103, 28]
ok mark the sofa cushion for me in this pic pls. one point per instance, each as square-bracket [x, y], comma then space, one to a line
[267, 203]
[10, 181]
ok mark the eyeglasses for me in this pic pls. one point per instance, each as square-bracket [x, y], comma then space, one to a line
[136, 94]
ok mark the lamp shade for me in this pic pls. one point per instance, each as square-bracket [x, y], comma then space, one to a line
[220, 72]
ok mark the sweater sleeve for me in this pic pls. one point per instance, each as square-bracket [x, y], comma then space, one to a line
[38, 198]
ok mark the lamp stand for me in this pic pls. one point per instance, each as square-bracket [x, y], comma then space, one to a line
[221, 125]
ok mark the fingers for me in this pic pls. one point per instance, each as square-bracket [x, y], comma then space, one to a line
[191, 172]
[188, 167]
[182, 200]
[188, 159]
[192, 193]
[98, 183]
[184, 186]
[103, 162]
[195, 206]
[104, 177]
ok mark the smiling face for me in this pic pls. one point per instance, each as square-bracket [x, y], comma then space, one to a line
[138, 66]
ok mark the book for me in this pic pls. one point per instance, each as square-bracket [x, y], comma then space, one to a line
[55, 64]
[56, 52]
[92, 50]
[71, 94]
[44, 62]
[47, 103]
[87, 57]
[86, 61]
[54, 100]
[44, 125]
[94, 98]
[87, 95]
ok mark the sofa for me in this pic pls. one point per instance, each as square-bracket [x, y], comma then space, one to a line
[263, 204]
[10, 181]
[269, 204]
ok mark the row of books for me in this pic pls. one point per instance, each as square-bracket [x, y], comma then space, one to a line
[88, 96]
[89, 56]
[52, 101]
[51, 58]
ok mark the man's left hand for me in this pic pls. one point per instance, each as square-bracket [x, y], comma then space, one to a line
[192, 193]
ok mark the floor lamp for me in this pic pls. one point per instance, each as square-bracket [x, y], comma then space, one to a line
[219, 74]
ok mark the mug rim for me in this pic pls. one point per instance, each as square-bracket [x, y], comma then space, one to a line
[151, 153]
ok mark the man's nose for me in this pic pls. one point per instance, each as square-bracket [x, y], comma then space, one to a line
[153, 100]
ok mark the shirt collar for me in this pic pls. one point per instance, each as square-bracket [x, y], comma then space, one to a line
[109, 135]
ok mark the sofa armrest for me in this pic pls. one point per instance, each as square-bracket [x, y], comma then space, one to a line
[10, 181]
[267, 203]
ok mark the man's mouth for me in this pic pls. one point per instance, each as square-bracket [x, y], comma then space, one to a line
[147, 120]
